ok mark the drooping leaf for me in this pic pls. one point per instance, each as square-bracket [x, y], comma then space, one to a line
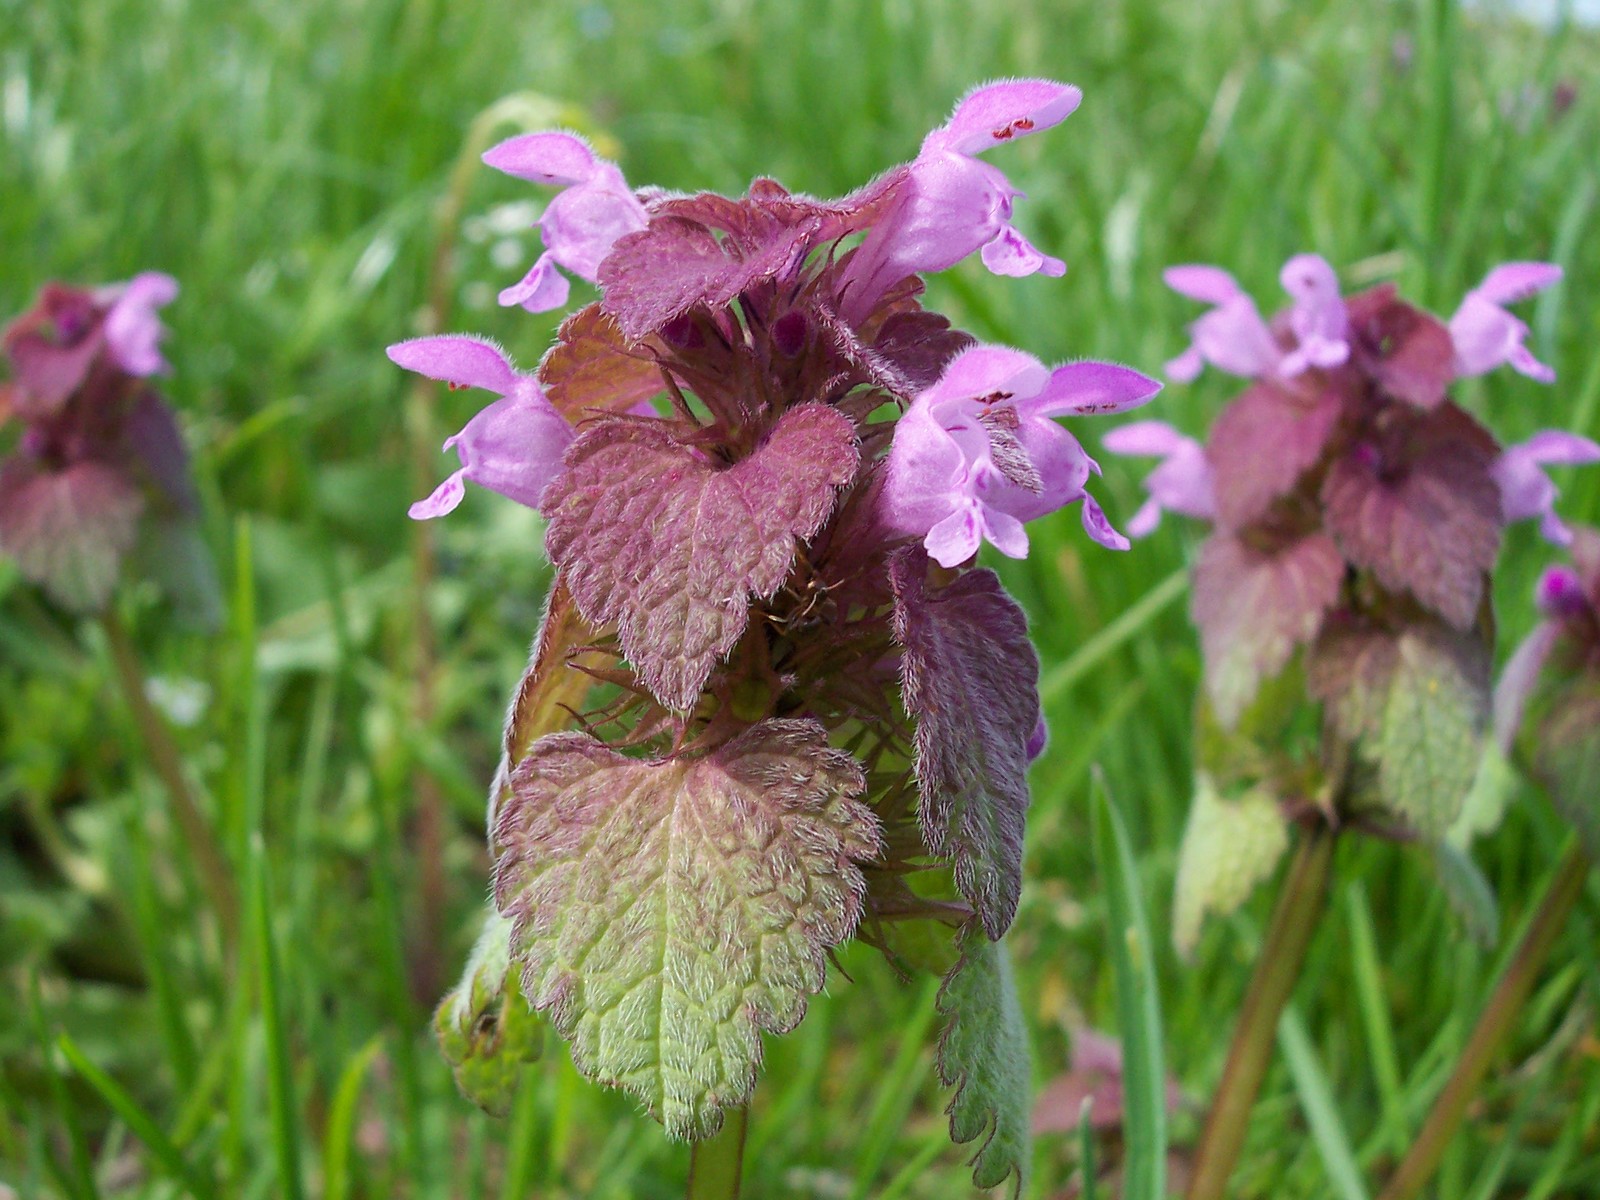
[1421, 510]
[1493, 787]
[1260, 446]
[1566, 757]
[970, 681]
[665, 914]
[157, 454]
[68, 530]
[983, 1054]
[1469, 891]
[1428, 749]
[173, 555]
[1408, 350]
[485, 1028]
[1229, 846]
[1349, 669]
[591, 368]
[1253, 608]
[655, 537]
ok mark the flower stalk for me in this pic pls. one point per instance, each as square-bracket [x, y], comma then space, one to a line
[1502, 1009]
[1277, 969]
[716, 1165]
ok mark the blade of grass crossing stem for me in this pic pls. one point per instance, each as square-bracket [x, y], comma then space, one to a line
[1316, 1100]
[340, 1133]
[898, 1090]
[140, 1122]
[1127, 626]
[1365, 968]
[154, 942]
[78, 1177]
[914, 1170]
[1138, 1006]
[1088, 1167]
[280, 1071]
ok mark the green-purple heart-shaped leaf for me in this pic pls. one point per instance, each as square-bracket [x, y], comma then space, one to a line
[591, 368]
[1262, 443]
[68, 530]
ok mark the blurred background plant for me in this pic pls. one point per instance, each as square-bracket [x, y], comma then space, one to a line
[290, 165]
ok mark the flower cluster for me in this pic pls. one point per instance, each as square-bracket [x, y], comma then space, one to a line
[809, 689]
[99, 462]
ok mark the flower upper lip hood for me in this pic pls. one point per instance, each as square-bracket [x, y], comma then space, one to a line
[580, 225]
[513, 446]
[949, 203]
[133, 332]
[977, 454]
[1181, 483]
[1527, 491]
[1485, 335]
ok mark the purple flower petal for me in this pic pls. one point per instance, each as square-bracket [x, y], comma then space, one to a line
[513, 447]
[133, 332]
[552, 158]
[1517, 680]
[1091, 388]
[457, 359]
[996, 113]
[1527, 491]
[1232, 336]
[1209, 285]
[540, 290]
[1485, 335]
[1559, 593]
[1098, 527]
[1318, 316]
[1182, 483]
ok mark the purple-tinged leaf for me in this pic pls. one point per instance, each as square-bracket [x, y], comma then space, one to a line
[1420, 509]
[666, 914]
[970, 679]
[592, 369]
[983, 1054]
[1254, 607]
[654, 537]
[1408, 351]
[1566, 758]
[1349, 669]
[52, 347]
[1262, 444]
[68, 530]
[919, 345]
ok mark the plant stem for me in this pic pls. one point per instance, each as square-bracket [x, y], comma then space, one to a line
[1504, 1004]
[216, 878]
[717, 1165]
[1277, 969]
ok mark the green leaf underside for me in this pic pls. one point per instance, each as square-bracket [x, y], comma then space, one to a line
[983, 1054]
[1469, 891]
[1254, 609]
[1567, 759]
[1229, 847]
[485, 1028]
[68, 530]
[665, 914]
[654, 537]
[971, 683]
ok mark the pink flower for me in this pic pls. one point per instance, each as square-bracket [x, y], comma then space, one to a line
[1233, 336]
[977, 454]
[580, 224]
[513, 446]
[1486, 335]
[1181, 483]
[951, 203]
[1527, 491]
[133, 332]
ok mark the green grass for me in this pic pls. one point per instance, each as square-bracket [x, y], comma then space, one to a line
[286, 160]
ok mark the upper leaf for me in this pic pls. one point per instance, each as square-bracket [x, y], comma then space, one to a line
[1254, 607]
[1421, 510]
[1408, 351]
[69, 529]
[653, 536]
[666, 913]
[1261, 445]
[591, 368]
[983, 1054]
[485, 1027]
[1229, 846]
[971, 684]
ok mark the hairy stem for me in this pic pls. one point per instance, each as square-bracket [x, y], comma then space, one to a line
[216, 877]
[1277, 968]
[717, 1165]
[1502, 1009]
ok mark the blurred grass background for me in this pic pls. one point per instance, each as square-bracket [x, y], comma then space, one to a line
[286, 161]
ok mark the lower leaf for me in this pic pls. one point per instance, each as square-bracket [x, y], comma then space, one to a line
[485, 1027]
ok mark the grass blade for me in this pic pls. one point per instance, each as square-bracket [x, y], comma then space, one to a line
[1316, 1099]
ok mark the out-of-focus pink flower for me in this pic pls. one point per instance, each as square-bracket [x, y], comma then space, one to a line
[1526, 491]
[1486, 335]
[951, 203]
[1233, 336]
[133, 331]
[977, 454]
[513, 446]
[580, 224]
[1181, 483]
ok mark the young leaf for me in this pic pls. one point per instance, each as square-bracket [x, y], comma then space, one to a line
[1260, 446]
[1409, 351]
[665, 914]
[983, 1054]
[485, 1027]
[1253, 608]
[971, 684]
[592, 369]
[68, 530]
[1423, 513]
[653, 536]
[1229, 846]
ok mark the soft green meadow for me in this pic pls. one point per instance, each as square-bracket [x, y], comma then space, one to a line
[292, 165]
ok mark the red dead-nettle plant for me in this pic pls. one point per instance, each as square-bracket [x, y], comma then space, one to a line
[1342, 597]
[773, 705]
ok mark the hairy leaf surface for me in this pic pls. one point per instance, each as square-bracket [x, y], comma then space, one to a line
[983, 1054]
[1253, 608]
[485, 1028]
[970, 679]
[665, 914]
[591, 368]
[657, 538]
[1260, 446]
[1229, 847]
[68, 530]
